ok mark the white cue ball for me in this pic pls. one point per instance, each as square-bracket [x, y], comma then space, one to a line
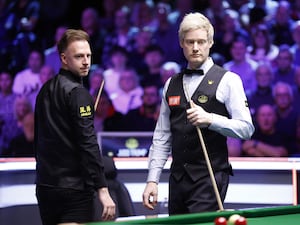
[233, 218]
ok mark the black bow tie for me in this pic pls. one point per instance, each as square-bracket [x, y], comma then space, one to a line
[190, 72]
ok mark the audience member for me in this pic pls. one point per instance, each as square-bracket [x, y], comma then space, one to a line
[144, 118]
[106, 117]
[24, 16]
[129, 95]
[295, 10]
[229, 30]
[28, 80]
[296, 90]
[117, 64]
[95, 80]
[122, 34]
[153, 59]
[143, 14]
[262, 94]
[8, 122]
[107, 17]
[46, 73]
[267, 140]
[284, 69]
[262, 48]
[90, 23]
[281, 27]
[51, 54]
[21, 108]
[22, 144]
[296, 46]
[166, 35]
[287, 116]
[241, 65]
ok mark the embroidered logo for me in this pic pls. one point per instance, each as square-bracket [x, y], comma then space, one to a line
[174, 100]
[202, 99]
[85, 110]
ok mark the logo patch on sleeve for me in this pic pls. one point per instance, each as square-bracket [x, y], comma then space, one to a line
[85, 111]
[174, 100]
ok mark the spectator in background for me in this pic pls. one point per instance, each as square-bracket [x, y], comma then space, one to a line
[296, 90]
[21, 108]
[51, 54]
[28, 79]
[122, 35]
[23, 19]
[107, 17]
[166, 34]
[284, 69]
[144, 118]
[153, 59]
[95, 80]
[22, 144]
[267, 140]
[296, 46]
[230, 29]
[117, 64]
[46, 73]
[129, 95]
[143, 39]
[262, 94]
[90, 23]
[287, 115]
[281, 27]
[106, 117]
[143, 14]
[262, 48]
[8, 122]
[241, 65]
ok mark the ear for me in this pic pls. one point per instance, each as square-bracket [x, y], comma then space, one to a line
[63, 58]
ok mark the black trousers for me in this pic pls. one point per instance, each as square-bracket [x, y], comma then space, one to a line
[59, 205]
[188, 196]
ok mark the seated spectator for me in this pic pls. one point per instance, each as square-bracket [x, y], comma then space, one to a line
[22, 144]
[51, 54]
[95, 80]
[284, 69]
[241, 65]
[267, 140]
[144, 118]
[129, 95]
[46, 73]
[153, 59]
[118, 61]
[8, 123]
[21, 108]
[28, 80]
[296, 46]
[262, 94]
[262, 49]
[106, 118]
[287, 115]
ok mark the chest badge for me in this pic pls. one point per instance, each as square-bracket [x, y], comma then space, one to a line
[202, 99]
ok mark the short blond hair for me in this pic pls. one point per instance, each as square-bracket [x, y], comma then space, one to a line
[194, 21]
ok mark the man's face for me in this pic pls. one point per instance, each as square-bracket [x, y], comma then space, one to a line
[77, 58]
[196, 47]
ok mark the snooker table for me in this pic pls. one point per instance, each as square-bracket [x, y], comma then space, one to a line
[283, 215]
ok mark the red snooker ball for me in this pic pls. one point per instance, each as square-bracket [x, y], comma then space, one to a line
[220, 221]
[241, 221]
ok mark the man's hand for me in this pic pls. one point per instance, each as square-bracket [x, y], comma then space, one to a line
[150, 195]
[198, 116]
[109, 207]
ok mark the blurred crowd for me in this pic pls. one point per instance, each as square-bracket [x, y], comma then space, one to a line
[135, 50]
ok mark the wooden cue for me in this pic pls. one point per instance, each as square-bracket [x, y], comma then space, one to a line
[210, 170]
[98, 95]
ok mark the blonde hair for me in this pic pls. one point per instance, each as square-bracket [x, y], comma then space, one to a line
[194, 21]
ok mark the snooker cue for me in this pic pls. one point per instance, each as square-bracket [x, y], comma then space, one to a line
[98, 95]
[210, 170]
